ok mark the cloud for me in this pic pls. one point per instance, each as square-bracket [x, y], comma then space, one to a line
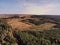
[30, 6]
[50, 8]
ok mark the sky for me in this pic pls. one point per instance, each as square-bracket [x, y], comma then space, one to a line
[47, 7]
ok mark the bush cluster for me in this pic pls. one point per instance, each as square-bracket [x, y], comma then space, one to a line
[49, 37]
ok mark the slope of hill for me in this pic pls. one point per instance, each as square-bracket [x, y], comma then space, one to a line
[29, 30]
[28, 22]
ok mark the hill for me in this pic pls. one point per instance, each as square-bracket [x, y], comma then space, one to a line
[28, 22]
[19, 29]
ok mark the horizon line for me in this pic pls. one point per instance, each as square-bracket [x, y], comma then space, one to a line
[28, 14]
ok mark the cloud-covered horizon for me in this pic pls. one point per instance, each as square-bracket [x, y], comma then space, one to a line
[49, 7]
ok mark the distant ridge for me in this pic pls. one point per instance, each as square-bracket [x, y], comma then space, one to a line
[8, 15]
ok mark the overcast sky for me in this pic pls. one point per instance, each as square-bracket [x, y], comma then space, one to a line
[50, 7]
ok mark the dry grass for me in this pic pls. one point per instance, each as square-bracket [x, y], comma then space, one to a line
[15, 23]
[46, 26]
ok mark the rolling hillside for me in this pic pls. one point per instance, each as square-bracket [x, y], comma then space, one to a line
[28, 22]
[25, 29]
